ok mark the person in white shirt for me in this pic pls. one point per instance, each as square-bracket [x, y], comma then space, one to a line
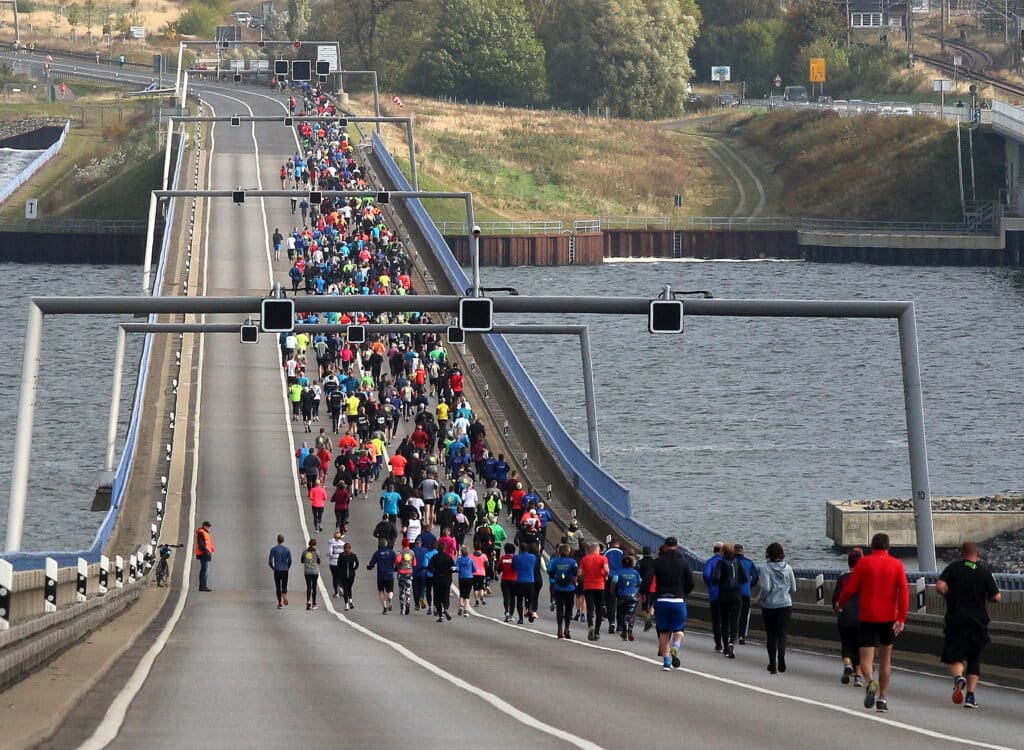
[469, 501]
[334, 548]
[413, 527]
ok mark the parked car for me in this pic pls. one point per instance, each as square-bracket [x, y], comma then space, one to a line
[775, 101]
[243, 17]
[795, 94]
[858, 105]
[728, 100]
[902, 109]
[257, 22]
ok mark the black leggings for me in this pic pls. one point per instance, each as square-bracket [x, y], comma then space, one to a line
[318, 516]
[346, 587]
[523, 594]
[335, 579]
[849, 639]
[507, 596]
[311, 579]
[442, 596]
[595, 607]
[281, 584]
[730, 607]
[776, 625]
[564, 602]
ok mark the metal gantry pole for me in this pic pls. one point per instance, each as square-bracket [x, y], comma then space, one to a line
[26, 421]
[177, 73]
[412, 155]
[916, 443]
[589, 395]
[115, 397]
[474, 243]
[150, 231]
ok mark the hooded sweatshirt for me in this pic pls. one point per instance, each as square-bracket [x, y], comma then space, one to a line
[778, 584]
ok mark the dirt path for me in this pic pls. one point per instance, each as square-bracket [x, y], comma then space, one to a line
[740, 172]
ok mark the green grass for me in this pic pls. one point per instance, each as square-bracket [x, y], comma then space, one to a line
[125, 197]
[442, 209]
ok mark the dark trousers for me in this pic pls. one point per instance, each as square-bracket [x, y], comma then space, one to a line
[716, 623]
[523, 593]
[507, 597]
[849, 639]
[318, 517]
[204, 569]
[729, 609]
[610, 603]
[335, 579]
[442, 596]
[776, 626]
[626, 612]
[311, 579]
[346, 587]
[595, 607]
[341, 519]
[564, 602]
[281, 584]
[744, 617]
[419, 586]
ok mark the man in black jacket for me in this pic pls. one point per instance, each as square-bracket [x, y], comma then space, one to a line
[673, 583]
[441, 568]
[385, 531]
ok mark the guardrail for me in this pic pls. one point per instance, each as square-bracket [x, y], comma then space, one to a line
[6, 191]
[109, 61]
[557, 226]
[68, 226]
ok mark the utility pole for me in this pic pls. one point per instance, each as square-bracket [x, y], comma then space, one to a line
[942, 25]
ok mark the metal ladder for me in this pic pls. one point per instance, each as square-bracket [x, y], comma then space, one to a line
[677, 243]
[572, 249]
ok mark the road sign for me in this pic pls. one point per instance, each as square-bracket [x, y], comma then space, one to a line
[942, 84]
[32, 208]
[958, 60]
[778, 81]
[721, 73]
[817, 70]
[137, 32]
[327, 53]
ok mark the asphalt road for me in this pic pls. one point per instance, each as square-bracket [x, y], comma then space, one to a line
[237, 672]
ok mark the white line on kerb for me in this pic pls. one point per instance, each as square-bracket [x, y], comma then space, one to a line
[113, 720]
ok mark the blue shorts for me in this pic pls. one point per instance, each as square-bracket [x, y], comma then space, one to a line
[670, 617]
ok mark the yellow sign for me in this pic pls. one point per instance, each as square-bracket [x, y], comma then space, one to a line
[817, 70]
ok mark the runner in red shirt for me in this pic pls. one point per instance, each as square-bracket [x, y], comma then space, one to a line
[398, 462]
[594, 572]
[508, 580]
[881, 581]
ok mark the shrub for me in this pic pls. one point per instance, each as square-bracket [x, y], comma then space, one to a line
[198, 19]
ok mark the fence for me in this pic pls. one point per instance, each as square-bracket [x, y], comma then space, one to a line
[556, 226]
[69, 226]
[6, 191]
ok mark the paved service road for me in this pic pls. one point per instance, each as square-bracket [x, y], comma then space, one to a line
[237, 672]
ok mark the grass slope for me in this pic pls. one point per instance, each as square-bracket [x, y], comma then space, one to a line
[125, 197]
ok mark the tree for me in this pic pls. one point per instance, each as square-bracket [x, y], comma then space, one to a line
[749, 49]
[89, 6]
[74, 15]
[629, 55]
[298, 18]
[808, 20]
[725, 13]
[365, 17]
[483, 49]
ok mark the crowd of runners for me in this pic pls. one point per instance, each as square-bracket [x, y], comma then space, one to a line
[396, 431]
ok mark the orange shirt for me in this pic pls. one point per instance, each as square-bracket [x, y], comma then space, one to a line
[317, 496]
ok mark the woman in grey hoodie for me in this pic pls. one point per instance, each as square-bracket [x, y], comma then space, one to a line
[778, 584]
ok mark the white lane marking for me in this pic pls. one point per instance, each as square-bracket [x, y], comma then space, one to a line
[505, 707]
[758, 689]
[113, 720]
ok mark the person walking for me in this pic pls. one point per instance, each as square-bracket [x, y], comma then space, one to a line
[334, 549]
[778, 584]
[317, 501]
[881, 581]
[311, 570]
[848, 622]
[204, 553]
[750, 568]
[729, 576]
[716, 614]
[562, 574]
[673, 582]
[967, 586]
[348, 564]
[280, 562]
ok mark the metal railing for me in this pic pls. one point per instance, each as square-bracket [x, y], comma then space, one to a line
[981, 218]
[557, 226]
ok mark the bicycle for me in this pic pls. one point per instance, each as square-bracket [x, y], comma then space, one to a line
[163, 568]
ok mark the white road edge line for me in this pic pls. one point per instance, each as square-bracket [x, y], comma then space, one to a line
[764, 691]
[113, 720]
[506, 708]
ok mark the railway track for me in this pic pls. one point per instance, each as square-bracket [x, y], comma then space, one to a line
[976, 64]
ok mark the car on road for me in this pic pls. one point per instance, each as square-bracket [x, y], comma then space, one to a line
[795, 94]
[858, 106]
[243, 17]
[727, 100]
[902, 109]
[257, 22]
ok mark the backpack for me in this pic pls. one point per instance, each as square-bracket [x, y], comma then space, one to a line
[729, 575]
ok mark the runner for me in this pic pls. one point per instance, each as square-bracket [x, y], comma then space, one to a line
[728, 575]
[405, 566]
[967, 586]
[778, 584]
[348, 564]
[594, 571]
[881, 581]
[752, 580]
[317, 501]
[334, 550]
[464, 565]
[384, 561]
[508, 580]
[280, 562]
[848, 622]
[627, 588]
[562, 573]
[716, 614]
[525, 565]
[442, 566]
[672, 582]
[311, 570]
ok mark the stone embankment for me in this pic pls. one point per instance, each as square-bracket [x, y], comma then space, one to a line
[11, 129]
[1005, 503]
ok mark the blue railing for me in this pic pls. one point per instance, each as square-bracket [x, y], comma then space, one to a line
[6, 191]
[34, 560]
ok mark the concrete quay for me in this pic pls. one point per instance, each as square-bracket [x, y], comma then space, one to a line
[852, 523]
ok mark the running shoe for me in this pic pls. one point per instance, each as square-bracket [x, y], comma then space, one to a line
[407, 609]
[508, 618]
[731, 653]
[590, 634]
[552, 606]
[466, 613]
[743, 640]
[440, 619]
[970, 701]
[389, 606]
[531, 617]
[622, 635]
[460, 611]
[284, 600]
[316, 606]
[280, 606]
[567, 635]
[384, 611]
[630, 636]
[959, 684]
[857, 681]
[870, 694]
[611, 630]
[666, 667]
[882, 707]
[674, 652]
[648, 624]
[447, 616]
[560, 635]
[847, 674]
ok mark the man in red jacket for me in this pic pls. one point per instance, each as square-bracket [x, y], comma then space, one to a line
[881, 582]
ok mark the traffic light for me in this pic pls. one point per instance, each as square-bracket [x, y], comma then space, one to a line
[301, 70]
[316, 198]
[476, 314]
[665, 316]
[238, 196]
[355, 334]
[280, 67]
[249, 334]
[456, 335]
[383, 197]
[277, 315]
[323, 67]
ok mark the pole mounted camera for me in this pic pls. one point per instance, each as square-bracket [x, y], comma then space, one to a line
[476, 230]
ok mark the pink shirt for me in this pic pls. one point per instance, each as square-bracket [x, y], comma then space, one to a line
[317, 496]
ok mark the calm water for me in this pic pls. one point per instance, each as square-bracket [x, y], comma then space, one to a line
[12, 161]
[69, 443]
[742, 428]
